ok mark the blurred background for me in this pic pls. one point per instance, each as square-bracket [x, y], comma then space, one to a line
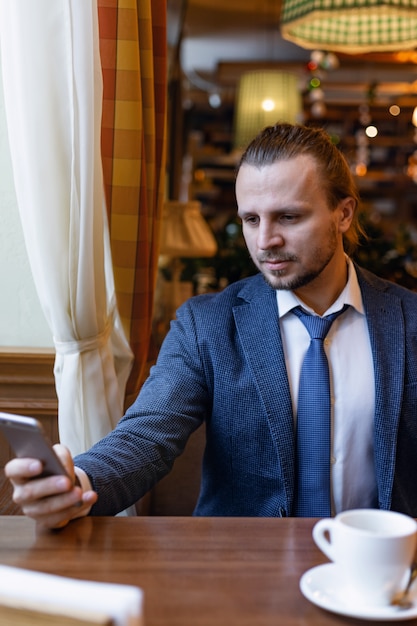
[364, 100]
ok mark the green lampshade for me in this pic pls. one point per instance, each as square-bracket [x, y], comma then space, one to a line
[263, 99]
[350, 26]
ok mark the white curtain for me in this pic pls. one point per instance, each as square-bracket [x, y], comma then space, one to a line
[53, 99]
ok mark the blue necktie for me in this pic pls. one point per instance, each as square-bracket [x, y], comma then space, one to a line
[313, 438]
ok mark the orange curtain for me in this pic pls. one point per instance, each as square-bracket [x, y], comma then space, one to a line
[133, 52]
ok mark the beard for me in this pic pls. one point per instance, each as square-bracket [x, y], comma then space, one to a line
[318, 260]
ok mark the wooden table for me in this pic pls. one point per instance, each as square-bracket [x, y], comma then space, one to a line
[194, 571]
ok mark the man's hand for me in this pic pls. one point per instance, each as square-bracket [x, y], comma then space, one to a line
[51, 501]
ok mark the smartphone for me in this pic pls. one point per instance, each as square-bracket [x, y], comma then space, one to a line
[27, 438]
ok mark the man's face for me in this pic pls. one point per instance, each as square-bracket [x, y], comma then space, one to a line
[291, 233]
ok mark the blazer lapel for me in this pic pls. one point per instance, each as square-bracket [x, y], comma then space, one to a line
[386, 331]
[258, 327]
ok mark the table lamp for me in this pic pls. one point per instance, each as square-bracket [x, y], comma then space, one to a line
[185, 234]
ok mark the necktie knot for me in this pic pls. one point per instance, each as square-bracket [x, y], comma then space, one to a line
[318, 327]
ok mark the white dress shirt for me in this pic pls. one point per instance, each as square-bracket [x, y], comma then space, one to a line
[352, 387]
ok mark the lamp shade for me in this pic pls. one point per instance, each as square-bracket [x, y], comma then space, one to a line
[350, 26]
[264, 98]
[185, 233]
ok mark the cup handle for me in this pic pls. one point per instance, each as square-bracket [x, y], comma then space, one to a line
[323, 540]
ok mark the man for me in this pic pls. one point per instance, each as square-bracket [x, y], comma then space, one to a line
[233, 360]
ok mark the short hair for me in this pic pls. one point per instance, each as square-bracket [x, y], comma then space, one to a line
[287, 141]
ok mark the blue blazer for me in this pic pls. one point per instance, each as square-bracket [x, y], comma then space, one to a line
[222, 363]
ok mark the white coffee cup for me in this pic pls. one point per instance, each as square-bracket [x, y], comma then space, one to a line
[373, 550]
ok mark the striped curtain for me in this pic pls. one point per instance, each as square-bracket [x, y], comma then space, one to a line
[134, 63]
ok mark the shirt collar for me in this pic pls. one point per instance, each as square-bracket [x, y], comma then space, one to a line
[350, 295]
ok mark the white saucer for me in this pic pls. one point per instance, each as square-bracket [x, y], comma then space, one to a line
[322, 586]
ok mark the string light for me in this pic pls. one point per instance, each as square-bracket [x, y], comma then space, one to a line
[394, 110]
[371, 131]
[320, 62]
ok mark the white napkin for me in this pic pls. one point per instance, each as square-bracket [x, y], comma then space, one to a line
[123, 603]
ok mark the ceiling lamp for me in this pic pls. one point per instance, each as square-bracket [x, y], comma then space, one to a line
[263, 99]
[350, 26]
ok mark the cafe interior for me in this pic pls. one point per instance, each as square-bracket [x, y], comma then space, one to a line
[235, 55]
[230, 69]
